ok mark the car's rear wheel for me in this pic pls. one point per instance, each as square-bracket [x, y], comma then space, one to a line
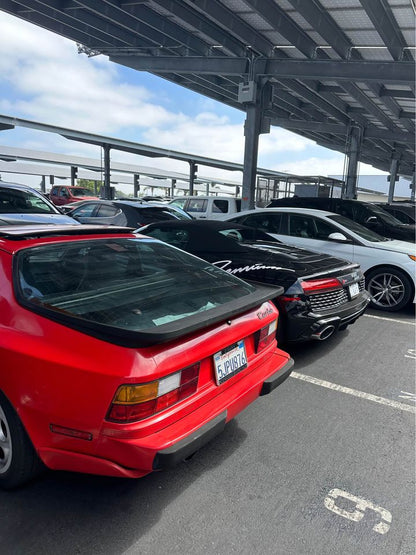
[390, 288]
[18, 459]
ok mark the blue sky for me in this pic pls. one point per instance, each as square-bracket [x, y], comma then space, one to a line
[43, 78]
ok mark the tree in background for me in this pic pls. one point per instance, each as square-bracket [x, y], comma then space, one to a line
[95, 187]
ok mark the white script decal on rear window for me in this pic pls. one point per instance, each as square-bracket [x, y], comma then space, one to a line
[223, 264]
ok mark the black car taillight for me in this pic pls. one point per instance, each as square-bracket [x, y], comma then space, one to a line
[318, 285]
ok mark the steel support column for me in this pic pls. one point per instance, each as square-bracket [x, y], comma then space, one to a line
[251, 132]
[136, 184]
[353, 152]
[193, 168]
[43, 184]
[74, 174]
[107, 185]
[393, 175]
[172, 187]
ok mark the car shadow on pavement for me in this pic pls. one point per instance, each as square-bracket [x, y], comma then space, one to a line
[64, 512]
[310, 351]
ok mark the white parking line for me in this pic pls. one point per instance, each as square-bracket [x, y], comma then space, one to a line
[355, 392]
[390, 319]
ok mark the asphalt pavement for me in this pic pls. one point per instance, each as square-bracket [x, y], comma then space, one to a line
[324, 464]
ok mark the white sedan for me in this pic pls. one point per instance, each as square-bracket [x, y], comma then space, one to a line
[389, 265]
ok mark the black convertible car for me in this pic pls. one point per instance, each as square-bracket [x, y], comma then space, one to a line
[322, 294]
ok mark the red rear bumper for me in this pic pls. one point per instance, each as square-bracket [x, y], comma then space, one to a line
[135, 457]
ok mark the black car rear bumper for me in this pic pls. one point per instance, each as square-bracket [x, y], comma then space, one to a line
[309, 325]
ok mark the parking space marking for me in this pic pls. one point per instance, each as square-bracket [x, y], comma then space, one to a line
[390, 319]
[355, 392]
[411, 353]
[407, 395]
[360, 506]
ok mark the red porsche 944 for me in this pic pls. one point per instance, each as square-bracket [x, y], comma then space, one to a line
[121, 355]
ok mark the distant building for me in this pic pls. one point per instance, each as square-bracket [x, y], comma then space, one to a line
[380, 185]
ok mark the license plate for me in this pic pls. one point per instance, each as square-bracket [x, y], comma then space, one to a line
[354, 290]
[230, 361]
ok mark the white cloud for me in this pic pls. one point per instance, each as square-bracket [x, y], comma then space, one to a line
[281, 140]
[333, 165]
[53, 84]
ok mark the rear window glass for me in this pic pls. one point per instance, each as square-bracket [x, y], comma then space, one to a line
[13, 201]
[78, 192]
[154, 213]
[128, 283]
[196, 205]
[220, 206]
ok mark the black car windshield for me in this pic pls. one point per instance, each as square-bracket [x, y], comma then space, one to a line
[20, 201]
[127, 283]
[359, 229]
[246, 235]
[385, 216]
[78, 192]
[150, 214]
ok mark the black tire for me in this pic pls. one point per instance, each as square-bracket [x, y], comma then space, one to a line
[390, 288]
[19, 462]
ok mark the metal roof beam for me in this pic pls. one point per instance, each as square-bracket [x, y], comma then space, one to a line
[396, 93]
[323, 23]
[184, 65]
[388, 72]
[158, 26]
[76, 19]
[279, 20]
[321, 127]
[61, 25]
[108, 18]
[202, 24]
[383, 20]
[232, 25]
[275, 15]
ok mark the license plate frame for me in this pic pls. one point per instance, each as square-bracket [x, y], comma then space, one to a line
[353, 290]
[230, 361]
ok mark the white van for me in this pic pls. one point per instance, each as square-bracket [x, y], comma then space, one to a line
[209, 207]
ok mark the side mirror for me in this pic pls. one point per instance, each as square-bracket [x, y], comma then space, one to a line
[371, 220]
[338, 237]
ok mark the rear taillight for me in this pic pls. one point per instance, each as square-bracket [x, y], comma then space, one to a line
[315, 285]
[138, 401]
[265, 336]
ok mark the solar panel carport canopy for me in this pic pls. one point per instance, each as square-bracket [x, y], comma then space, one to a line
[329, 65]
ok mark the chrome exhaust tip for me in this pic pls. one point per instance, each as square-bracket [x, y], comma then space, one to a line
[324, 333]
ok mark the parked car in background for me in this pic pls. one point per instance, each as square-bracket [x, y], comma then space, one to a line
[208, 207]
[124, 213]
[159, 201]
[66, 194]
[21, 204]
[388, 264]
[322, 294]
[121, 355]
[403, 211]
[66, 208]
[365, 213]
